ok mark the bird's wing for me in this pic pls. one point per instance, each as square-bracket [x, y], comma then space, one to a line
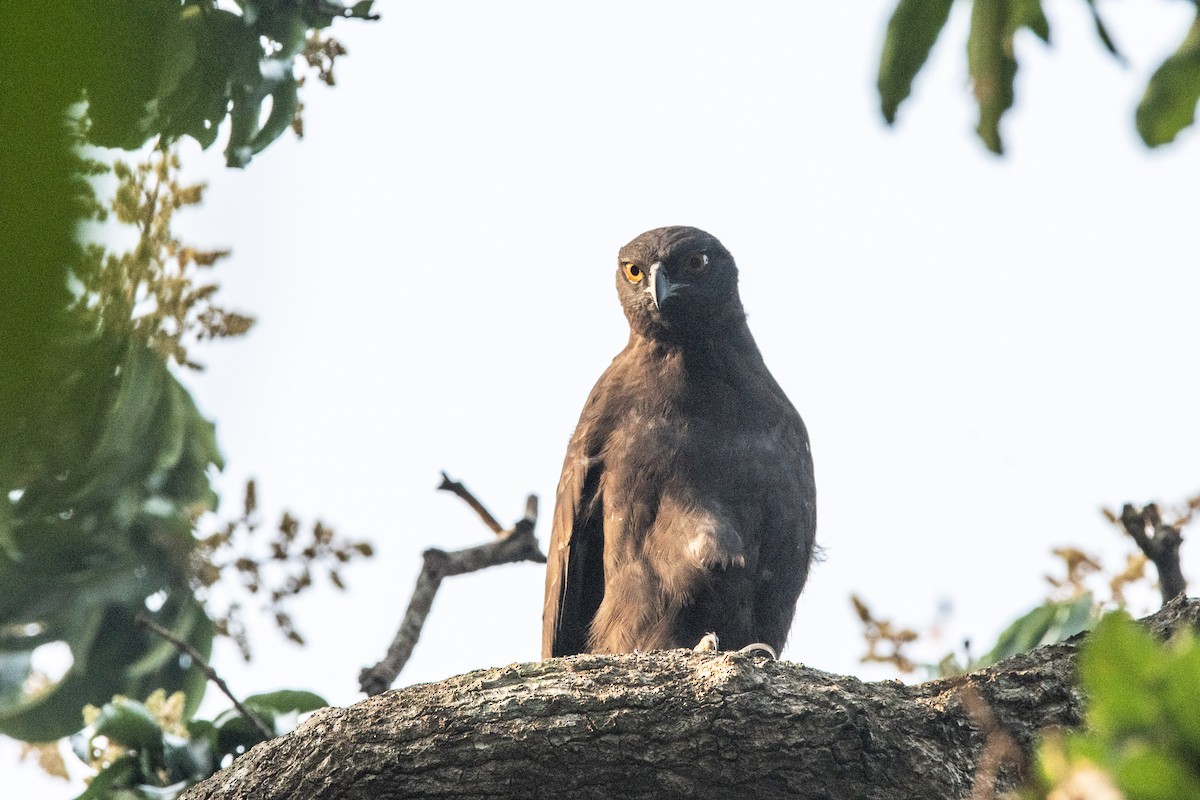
[575, 562]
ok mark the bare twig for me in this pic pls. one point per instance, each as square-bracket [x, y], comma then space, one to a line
[457, 488]
[145, 622]
[517, 544]
[1160, 542]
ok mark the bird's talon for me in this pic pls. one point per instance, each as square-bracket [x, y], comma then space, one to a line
[759, 647]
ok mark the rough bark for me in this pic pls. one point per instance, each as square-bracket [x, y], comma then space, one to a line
[667, 724]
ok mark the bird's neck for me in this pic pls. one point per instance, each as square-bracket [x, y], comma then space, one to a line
[697, 350]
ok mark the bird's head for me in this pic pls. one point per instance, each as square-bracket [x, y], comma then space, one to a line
[678, 283]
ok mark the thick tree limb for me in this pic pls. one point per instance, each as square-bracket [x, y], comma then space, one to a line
[517, 544]
[669, 724]
[1160, 542]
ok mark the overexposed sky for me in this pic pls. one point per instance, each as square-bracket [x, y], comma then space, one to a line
[985, 350]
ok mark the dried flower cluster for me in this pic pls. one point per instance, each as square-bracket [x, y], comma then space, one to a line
[273, 570]
[158, 290]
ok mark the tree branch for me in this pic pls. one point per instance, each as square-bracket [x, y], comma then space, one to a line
[1161, 545]
[144, 621]
[517, 544]
[672, 724]
[454, 487]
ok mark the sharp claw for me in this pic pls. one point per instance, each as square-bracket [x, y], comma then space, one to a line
[760, 647]
[709, 644]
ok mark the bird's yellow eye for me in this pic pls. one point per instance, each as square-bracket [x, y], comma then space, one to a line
[696, 263]
[633, 272]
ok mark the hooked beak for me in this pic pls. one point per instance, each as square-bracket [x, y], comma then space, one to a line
[660, 288]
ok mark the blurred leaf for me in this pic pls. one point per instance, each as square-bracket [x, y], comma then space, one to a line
[116, 776]
[94, 677]
[14, 669]
[1146, 774]
[1102, 32]
[236, 733]
[992, 67]
[283, 110]
[1169, 104]
[190, 759]
[1180, 698]
[123, 452]
[194, 682]
[129, 723]
[202, 730]
[1029, 14]
[150, 791]
[286, 700]
[1074, 617]
[1047, 624]
[914, 27]
[1120, 670]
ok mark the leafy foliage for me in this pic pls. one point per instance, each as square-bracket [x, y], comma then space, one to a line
[105, 462]
[1074, 604]
[1142, 735]
[210, 63]
[1168, 106]
[103, 526]
[155, 750]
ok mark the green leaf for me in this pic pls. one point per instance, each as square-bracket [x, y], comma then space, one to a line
[289, 28]
[283, 110]
[189, 759]
[1169, 104]
[1029, 14]
[121, 774]
[1022, 635]
[201, 730]
[150, 791]
[286, 700]
[914, 27]
[195, 682]
[235, 732]
[129, 723]
[14, 670]
[174, 420]
[105, 645]
[94, 677]
[992, 67]
[177, 50]
[243, 126]
[1078, 617]
[1102, 32]
[1120, 669]
[1147, 774]
[1180, 697]
[1047, 624]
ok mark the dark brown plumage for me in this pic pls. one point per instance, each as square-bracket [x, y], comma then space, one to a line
[686, 503]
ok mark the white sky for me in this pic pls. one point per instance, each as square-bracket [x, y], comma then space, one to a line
[985, 351]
